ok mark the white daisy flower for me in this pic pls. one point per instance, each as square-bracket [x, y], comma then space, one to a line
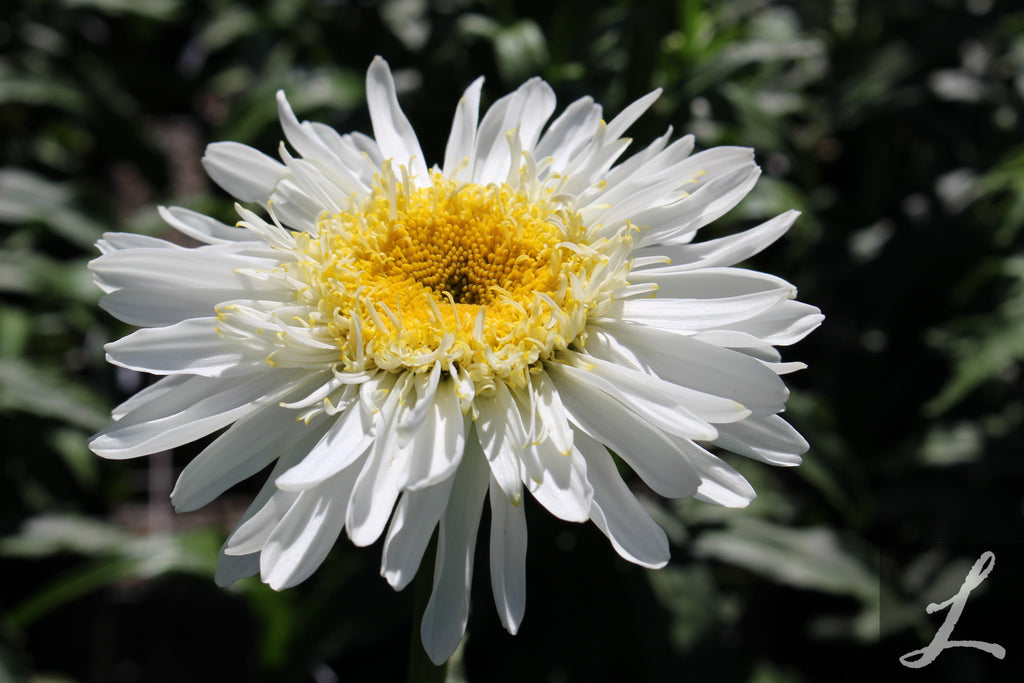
[404, 341]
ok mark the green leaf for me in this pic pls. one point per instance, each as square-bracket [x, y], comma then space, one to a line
[26, 197]
[989, 348]
[37, 91]
[116, 555]
[811, 558]
[15, 326]
[47, 535]
[689, 593]
[71, 445]
[32, 273]
[45, 393]
[520, 51]
[149, 9]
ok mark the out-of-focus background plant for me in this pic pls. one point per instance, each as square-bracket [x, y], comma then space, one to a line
[896, 127]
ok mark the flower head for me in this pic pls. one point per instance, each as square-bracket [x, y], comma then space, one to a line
[403, 342]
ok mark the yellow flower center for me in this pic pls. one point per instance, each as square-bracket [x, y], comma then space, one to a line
[485, 277]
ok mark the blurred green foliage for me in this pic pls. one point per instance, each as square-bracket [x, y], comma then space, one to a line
[895, 126]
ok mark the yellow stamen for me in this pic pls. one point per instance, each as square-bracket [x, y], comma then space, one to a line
[482, 277]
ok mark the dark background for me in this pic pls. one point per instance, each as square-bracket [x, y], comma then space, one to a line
[896, 127]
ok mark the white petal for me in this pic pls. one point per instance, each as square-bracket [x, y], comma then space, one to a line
[368, 147]
[251, 534]
[739, 341]
[411, 421]
[444, 620]
[653, 159]
[374, 393]
[568, 133]
[323, 189]
[120, 241]
[785, 368]
[539, 101]
[245, 173]
[293, 206]
[244, 449]
[393, 132]
[437, 448]
[646, 449]
[705, 368]
[191, 346]
[565, 490]
[524, 403]
[630, 114]
[380, 480]
[195, 408]
[706, 179]
[359, 167]
[725, 251]
[265, 511]
[386, 466]
[299, 135]
[785, 324]
[723, 176]
[502, 437]
[525, 110]
[706, 204]
[508, 558]
[606, 214]
[346, 440]
[150, 307]
[687, 315]
[710, 283]
[201, 227]
[231, 568]
[602, 344]
[590, 166]
[650, 395]
[412, 526]
[301, 541]
[272, 234]
[768, 439]
[618, 514]
[203, 268]
[322, 158]
[551, 412]
[461, 147]
[720, 483]
[153, 393]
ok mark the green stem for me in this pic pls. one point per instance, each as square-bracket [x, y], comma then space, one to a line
[421, 669]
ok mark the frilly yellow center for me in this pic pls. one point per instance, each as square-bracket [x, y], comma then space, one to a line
[483, 277]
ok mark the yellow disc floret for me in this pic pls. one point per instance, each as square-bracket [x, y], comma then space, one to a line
[484, 277]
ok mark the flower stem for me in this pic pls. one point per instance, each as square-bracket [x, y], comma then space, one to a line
[421, 669]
